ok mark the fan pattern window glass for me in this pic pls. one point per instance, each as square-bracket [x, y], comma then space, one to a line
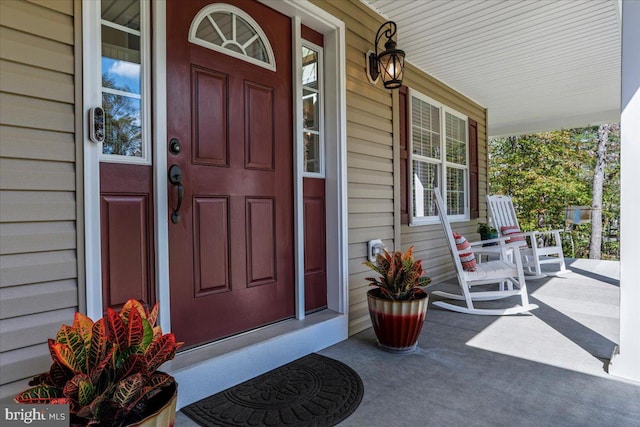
[232, 31]
[439, 147]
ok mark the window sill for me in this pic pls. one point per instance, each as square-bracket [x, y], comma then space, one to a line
[436, 221]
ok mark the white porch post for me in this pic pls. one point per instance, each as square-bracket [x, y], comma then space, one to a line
[626, 363]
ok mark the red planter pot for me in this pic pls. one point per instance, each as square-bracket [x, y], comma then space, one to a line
[397, 324]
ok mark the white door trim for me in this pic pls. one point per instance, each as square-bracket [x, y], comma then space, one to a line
[91, 97]
[298, 155]
[333, 30]
[336, 195]
[159, 91]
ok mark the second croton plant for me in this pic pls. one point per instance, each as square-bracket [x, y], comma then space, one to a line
[401, 276]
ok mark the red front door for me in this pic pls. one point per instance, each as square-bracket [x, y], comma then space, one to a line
[231, 252]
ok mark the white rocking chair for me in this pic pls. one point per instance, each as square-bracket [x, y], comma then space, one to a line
[534, 254]
[502, 272]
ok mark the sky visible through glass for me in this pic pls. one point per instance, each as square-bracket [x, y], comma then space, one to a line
[123, 134]
[125, 75]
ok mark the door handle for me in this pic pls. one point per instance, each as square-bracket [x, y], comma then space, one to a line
[175, 178]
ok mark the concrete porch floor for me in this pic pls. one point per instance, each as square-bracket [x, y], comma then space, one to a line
[543, 369]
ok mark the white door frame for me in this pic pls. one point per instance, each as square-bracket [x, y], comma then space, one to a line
[92, 97]
[302, 12]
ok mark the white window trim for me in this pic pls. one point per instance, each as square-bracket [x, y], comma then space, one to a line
[223, 7]
[442, 163]
[320, 106]
[145, 85]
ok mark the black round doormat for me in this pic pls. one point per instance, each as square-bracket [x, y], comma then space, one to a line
[311, 391]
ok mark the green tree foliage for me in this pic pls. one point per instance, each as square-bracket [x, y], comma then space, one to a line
[546, 172]
[123, 133]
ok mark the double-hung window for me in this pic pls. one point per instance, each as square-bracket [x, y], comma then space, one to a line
[439, 147]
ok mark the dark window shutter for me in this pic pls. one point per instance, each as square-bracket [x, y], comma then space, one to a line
[405, 170]
[474, 194]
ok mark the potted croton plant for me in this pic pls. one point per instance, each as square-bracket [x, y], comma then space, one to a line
[398, 304]
[106, 371]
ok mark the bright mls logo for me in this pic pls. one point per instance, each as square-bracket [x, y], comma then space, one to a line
[34, 415]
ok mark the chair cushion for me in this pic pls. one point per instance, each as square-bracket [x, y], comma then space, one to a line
[468, 259]
[512, 229]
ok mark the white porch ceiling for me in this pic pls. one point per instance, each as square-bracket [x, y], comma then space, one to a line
[536, 65]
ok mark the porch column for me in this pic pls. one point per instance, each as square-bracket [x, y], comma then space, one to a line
[626, 363]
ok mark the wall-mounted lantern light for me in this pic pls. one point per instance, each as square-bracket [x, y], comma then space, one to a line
[388, 64]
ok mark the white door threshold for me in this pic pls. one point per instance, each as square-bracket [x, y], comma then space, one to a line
[211, 368]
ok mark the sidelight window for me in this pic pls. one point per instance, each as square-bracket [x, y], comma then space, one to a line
[125, 81]
[312, 110]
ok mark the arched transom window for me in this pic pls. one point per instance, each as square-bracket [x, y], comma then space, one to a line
[232, 31]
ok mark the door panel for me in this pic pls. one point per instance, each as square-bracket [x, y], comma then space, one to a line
[259, 126]
[125, 230]
[211, 245]
[210, 140]
[315, 247]
[261, 242]
[231, 254]
[126, 217]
